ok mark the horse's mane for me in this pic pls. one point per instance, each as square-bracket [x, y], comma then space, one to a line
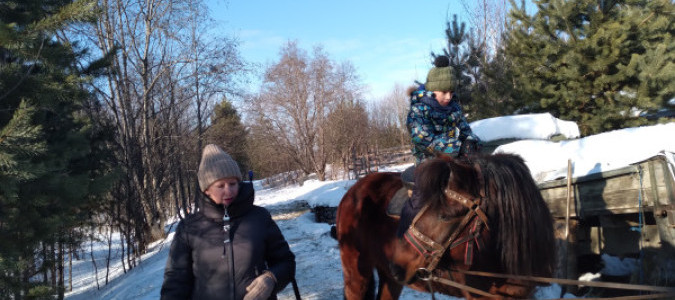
[519, 219]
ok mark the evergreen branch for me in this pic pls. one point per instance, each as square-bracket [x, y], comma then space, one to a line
[79, 10]
[646, 19]
[19, 135]
[28, 72]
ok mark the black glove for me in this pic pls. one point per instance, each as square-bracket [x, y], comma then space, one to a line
[469, 146]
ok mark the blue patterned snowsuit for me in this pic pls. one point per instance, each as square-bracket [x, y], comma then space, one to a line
[434, 128]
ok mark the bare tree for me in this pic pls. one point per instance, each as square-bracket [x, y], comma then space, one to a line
[210, 71]
[487, 19]
[166, 71]
[263, 154]
[486, 66]
[292, 108]
[387, 119]
[347, 131]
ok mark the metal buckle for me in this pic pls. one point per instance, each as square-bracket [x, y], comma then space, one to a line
[423, 274]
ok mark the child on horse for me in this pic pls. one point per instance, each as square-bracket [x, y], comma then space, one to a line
[437, 125]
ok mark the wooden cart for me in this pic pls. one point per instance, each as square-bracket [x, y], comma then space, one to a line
[624, 212]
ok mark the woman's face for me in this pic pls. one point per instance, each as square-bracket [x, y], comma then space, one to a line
[443, 98]
[223, 191]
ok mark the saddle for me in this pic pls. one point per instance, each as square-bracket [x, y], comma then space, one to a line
[403, 194]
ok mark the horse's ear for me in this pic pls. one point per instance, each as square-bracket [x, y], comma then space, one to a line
[431, 176]
[463, 175]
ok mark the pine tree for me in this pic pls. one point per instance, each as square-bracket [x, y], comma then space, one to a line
[482, 85]
[598, 63]
[228, 132]
[49, 151]
[461, 59]
[493, 93]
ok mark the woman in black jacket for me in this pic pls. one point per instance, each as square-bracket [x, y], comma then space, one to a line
[230, 249]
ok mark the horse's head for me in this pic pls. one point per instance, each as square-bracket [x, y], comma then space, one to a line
[454, 214]
[494, 202]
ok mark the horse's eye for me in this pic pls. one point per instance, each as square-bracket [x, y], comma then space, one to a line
[444, 217]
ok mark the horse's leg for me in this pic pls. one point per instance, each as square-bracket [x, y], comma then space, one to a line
[388, 288]
[358, 275]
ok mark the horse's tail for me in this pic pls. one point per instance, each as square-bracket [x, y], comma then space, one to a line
[525, 236]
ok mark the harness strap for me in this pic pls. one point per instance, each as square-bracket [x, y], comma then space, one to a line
[452, 237]
[667, 295]
[464, 287]
[468, 254]
[427, 243]
[613, 285]
[429, 248]
[470, 239]
[472, 204]
[419, 247]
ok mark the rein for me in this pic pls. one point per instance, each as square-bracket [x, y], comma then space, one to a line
[547, 280]
[663, 292]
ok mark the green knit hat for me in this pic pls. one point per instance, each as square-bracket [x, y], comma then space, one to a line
[440, 76]
[216, 164]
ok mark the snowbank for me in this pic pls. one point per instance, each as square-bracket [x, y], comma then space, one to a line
[597, 153]
[530, 126]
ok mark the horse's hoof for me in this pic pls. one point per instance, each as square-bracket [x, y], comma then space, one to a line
[333, 232]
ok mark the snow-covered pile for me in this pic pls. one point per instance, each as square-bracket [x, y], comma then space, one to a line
[547, 160]
[530, 126]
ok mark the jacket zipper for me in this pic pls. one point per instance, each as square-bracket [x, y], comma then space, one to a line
[229, 257]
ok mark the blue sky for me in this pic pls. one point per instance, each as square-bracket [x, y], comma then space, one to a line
[388, 42]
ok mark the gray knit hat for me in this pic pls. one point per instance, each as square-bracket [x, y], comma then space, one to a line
[216, 164]
[440, 76]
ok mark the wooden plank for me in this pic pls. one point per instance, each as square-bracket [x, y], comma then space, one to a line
[664, 205]
[611, 192]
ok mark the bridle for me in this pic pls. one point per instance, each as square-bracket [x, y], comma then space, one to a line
[432, 250]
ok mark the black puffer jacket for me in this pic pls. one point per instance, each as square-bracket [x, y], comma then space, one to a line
[202, 265]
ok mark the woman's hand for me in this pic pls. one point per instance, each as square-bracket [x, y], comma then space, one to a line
[261, 287]
[469, 146]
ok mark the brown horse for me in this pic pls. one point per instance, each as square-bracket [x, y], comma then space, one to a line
[481, 214]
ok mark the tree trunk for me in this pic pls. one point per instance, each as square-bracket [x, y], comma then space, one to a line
[61, 285]
[45, 257]
[53, 269]
[93, 262]
[70, 267]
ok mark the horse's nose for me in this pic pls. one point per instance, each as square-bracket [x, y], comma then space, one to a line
[397, 271]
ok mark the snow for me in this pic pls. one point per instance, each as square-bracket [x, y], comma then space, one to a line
[315, 192]
[547, 160]
[319, 271]
[607, 151]
[616, 266]
[531, 126]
